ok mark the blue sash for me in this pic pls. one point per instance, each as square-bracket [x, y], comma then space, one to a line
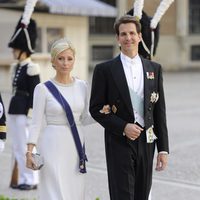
[81, 150]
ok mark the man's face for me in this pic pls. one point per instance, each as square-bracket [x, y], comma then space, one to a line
[128, 38]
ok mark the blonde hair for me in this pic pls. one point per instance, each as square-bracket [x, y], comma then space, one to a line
[59, 46]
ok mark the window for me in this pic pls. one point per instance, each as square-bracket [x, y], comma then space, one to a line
[195, 52]
[100, 53]
[101, 25]
[194, 16]
[46, 36]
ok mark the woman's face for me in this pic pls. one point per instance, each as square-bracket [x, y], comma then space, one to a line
[63, 62]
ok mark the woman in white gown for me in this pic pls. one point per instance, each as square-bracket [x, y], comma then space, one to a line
[60, 178]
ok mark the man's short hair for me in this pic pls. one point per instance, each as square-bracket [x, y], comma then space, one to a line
[125, 20]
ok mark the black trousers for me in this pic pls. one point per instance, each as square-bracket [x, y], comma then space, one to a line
[129, 165]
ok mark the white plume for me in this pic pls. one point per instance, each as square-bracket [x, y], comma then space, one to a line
[162, 8]
[28, 10]
[138, 6]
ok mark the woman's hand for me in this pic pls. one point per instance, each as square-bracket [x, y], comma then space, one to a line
[29, 161]
[29, 158]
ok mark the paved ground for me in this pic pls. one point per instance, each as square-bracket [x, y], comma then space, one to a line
[181, 180]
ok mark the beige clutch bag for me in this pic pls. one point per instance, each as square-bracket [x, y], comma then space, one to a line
[38, 160]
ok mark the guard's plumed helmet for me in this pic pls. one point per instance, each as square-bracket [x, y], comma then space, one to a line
[150, 27]
[146, 35]
[24, 37]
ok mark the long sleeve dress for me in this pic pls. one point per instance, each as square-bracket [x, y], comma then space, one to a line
[60, 177]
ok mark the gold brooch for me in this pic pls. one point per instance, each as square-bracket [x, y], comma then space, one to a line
[105, 110]
[114, 108]
[154, 97]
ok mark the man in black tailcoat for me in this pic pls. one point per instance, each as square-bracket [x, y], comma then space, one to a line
[127, 99]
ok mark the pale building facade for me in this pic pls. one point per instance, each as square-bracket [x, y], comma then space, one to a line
[94, 39]
[179, 43]
[50, 27]
[71, 23]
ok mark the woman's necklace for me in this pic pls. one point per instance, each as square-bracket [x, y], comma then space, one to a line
[64, 81]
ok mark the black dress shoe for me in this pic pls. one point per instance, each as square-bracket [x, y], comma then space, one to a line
[27, 187]
[14, 186]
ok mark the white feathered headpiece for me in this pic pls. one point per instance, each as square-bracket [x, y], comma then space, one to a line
[23, 26]
[28, 10]
[162, 8]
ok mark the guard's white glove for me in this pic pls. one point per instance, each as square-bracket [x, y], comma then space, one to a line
[2, 145]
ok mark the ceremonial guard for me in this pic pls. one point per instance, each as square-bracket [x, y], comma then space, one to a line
[150, 27]
[25, 78]
[2, 125]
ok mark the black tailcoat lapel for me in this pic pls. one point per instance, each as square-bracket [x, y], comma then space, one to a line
[146, 89]
[120, 79]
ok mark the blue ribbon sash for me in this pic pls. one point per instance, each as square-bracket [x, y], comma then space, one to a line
[81, 149]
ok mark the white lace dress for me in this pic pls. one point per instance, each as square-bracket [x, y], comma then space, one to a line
[60, 178]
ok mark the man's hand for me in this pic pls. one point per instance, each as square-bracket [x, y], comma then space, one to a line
[162, 160]
[132, 131]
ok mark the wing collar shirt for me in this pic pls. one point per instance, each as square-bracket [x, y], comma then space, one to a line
[135, 79]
